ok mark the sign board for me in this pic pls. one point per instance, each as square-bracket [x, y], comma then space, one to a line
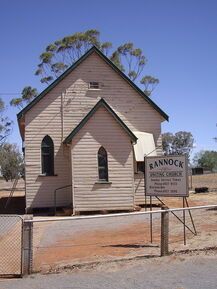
[166, 176]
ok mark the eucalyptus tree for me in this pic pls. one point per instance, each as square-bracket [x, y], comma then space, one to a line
[5, 124]
[206, 159]
[62, 53]
[27, 94]
[11, 162]
[177, 144]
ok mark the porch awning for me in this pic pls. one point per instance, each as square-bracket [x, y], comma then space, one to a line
[145, 145]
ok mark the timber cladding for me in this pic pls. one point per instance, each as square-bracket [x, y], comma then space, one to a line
[60, 111]
[89, 194]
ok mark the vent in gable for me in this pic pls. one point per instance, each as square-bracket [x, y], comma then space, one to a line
[94, 85]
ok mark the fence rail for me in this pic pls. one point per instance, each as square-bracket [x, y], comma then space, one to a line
[33, 237]
[69, 239]
[59, 219]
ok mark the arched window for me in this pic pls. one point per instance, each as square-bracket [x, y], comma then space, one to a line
[47, 156]
[102, 164]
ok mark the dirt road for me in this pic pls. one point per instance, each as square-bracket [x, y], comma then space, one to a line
[173, 272]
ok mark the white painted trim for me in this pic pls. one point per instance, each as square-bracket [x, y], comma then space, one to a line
[51, 219]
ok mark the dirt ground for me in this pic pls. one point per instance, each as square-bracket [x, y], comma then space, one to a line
[72, 243]
[194, 270]
[206, 180]
[69, 243]
[17, 202]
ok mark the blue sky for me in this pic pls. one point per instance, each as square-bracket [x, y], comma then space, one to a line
[179, 38]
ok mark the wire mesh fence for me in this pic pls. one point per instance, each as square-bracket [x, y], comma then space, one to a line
[54, 243]
[74, 242]
[70, 242]
[10, 245]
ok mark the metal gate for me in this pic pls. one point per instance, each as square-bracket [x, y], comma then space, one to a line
[10, 245]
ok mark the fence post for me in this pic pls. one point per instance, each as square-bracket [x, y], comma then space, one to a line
[164, 232]
[27, 245]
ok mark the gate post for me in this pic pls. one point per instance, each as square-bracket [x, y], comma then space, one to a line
[27, 245]
[164, 232]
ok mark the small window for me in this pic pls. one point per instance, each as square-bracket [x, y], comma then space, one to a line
[47, 156]
[94, 85]
[140, 167]
[103, 165]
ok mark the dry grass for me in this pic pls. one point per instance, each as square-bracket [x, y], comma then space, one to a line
[207, 180]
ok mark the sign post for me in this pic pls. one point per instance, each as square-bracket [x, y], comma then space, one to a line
[167, 176]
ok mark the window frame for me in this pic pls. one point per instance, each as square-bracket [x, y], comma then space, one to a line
[47, 158]
[105, 167]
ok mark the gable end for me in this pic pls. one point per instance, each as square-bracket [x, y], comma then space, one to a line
[71, 68]
[100, 103]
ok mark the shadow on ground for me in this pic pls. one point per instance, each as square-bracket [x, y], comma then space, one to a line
[133, 246]
[15, 206]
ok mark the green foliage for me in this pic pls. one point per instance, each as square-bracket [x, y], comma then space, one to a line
[11, 162]
[28, 93]
[5, 124]
[177, 144]
[105, 47]
[115, 58]
[150, 83]
[167, 141]
[133, 58]
[206, 159]
[61, 54]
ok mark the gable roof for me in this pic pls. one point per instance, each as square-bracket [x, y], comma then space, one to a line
[73, 66]
[100, 103]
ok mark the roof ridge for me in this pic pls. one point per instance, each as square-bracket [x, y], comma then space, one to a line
[74, 65]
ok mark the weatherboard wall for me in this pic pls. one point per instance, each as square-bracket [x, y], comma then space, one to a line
[45, 119]
[61, 109]
[135, 112]
[89, 194]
